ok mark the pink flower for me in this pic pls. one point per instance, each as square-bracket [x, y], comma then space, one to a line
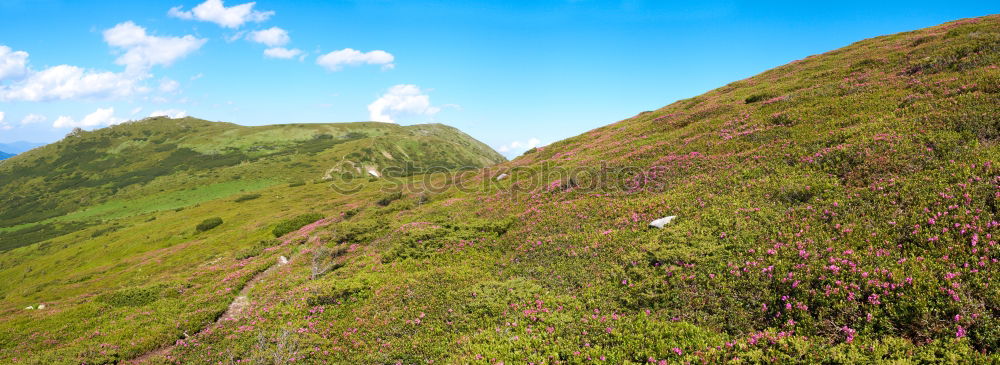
[849, 332]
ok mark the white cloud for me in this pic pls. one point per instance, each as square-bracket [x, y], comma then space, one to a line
[517, 147]
[70, 82]
[105, 116]
[401, 100]
[198, 76]
[169, 113]
[100, 117]
[32, 119]
[3, 125]
[235, 36]
[176, 12]
[135, 111]
[143, 51]
[272, 37]
[216, 12]
[63, 121]
[13, 64]
[168, 85]
[283, 53]
[336, 60]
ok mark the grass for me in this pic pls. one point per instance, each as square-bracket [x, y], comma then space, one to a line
[291, 225]
[208, 224]
[157, 202]
[848, 217]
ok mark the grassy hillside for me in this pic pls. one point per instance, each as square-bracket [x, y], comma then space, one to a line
[838, 209]
[160, 163]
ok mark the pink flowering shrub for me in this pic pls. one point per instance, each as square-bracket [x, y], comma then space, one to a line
[839, 209]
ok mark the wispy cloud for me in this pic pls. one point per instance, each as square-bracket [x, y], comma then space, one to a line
[100, 117]
[215, 11]
[515, 148]
[169, 113]
[272, 37]
[336, 60]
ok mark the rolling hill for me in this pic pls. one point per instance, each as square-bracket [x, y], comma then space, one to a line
[162, 163]
[838, 209]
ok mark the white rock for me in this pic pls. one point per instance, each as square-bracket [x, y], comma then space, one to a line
[41, 306]
[282, 260]
[501, 177]
[659, 223]
[29, 308]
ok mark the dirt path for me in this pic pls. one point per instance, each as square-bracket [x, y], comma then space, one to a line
[232, 312]
[241, 301]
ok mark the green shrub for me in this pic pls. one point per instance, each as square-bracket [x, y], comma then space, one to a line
[782, 119]
[209, 224]
[351, 212]
[246, 197]
[290, 225]
[756, 97]
[104, 231]
[388, 199]
[130, 297]
[256, 249]
[357, 231]
[38, 233]
[495, 226]
[340, 293]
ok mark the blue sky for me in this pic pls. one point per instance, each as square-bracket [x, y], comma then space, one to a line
[512, 74]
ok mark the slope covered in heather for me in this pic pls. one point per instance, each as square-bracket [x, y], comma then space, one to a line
[839, 209]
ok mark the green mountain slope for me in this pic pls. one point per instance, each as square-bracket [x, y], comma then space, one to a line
[156, 163]
[838, 209]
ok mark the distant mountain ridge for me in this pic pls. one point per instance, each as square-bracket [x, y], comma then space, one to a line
[13, 148]
[161, 154]
[5, 155]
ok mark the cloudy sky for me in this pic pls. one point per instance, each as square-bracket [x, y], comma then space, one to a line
[513, 74]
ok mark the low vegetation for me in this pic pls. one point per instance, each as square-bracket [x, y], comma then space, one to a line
[838, 209]
[293, 224]
[209, 224]
[246, 197]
